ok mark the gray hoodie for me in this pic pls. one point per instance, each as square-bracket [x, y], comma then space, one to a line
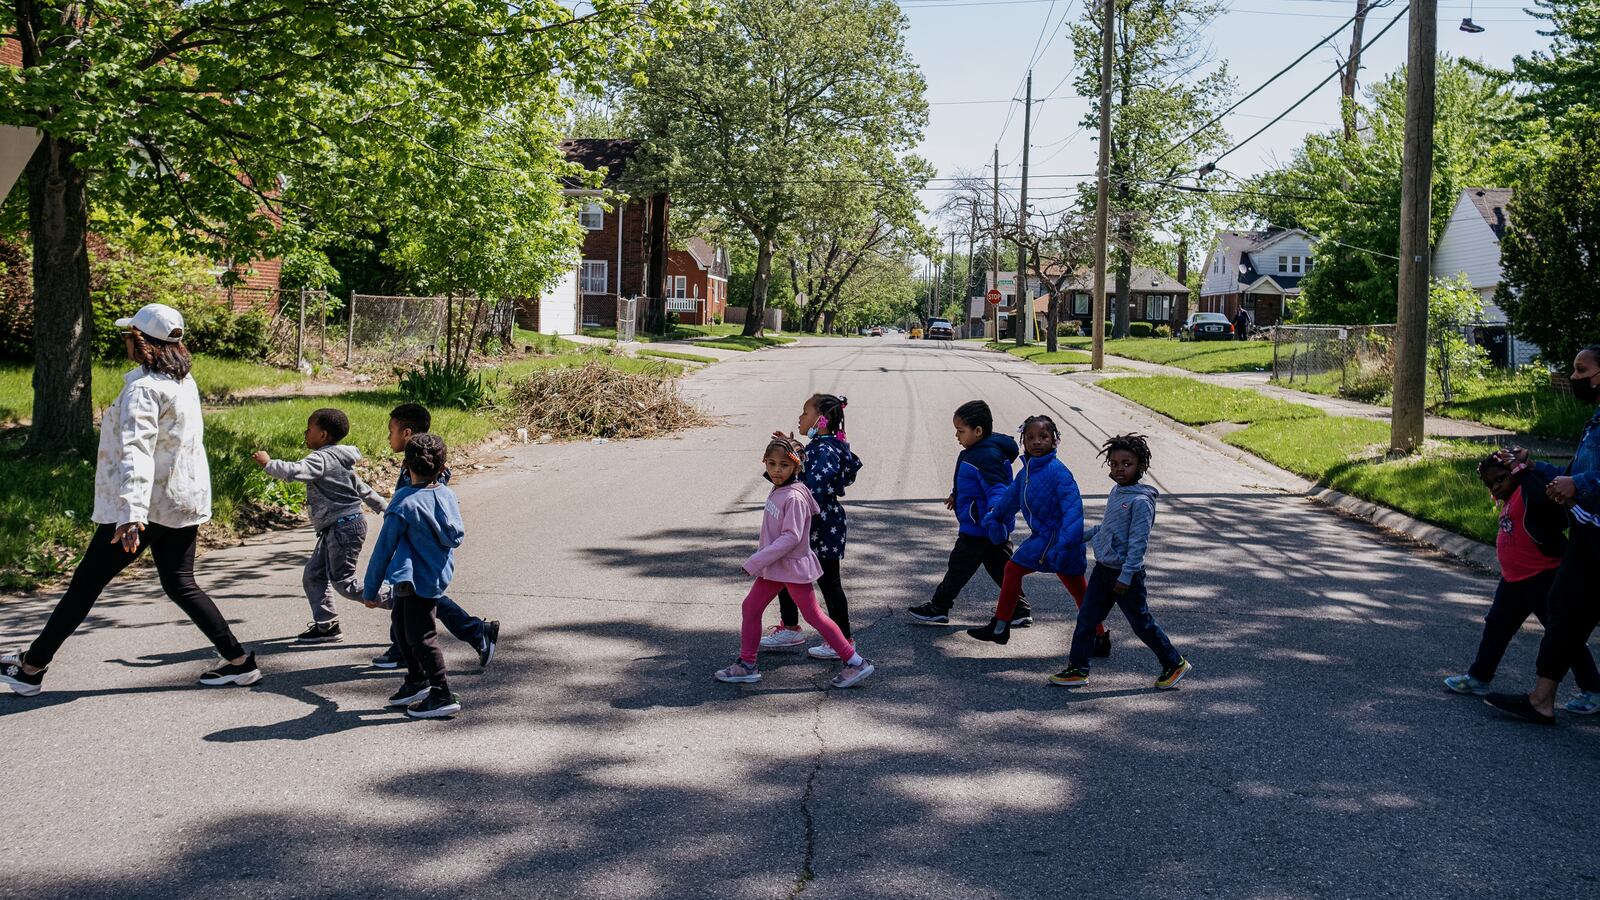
[1124, 532]
[333, 489]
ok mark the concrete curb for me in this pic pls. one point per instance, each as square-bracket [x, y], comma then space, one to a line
[1474, 553]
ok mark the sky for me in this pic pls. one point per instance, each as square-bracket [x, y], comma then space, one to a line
[978, 50]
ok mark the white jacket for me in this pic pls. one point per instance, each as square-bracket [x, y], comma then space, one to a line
[152, 464]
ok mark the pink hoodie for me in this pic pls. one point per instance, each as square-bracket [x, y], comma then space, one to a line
[785, 552]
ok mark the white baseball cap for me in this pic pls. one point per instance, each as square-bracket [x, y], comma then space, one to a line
[156, 320]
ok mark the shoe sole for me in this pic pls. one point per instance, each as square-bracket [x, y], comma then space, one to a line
[244, 680]
[828, 657]
[407, 701]
[1025, 622]
[21, 689]
[1182, 674]
[842, 684]
[737, 679]
[439, 713]
[1582, 712]
[784, 648]
[1468, 692]
[1002, 638]
[332, 639]
[1068, 684]
[930, 620]
[386, 665]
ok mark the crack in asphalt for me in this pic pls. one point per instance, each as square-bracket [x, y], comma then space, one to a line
[807, 873]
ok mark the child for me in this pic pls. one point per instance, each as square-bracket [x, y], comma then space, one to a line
[784, 560]
[415, 553]
[1047, 495]
[830, 468]
[983, 472]
[1530, 543]
[405, 422]
[334, 494]
[1118, 578]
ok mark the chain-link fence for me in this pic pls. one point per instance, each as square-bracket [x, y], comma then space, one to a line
[1358, 359]
[402, 330]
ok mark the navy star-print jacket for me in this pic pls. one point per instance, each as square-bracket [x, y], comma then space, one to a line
[830, 468]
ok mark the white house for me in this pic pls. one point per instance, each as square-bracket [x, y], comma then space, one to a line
[1259, 270]
[1470, 246]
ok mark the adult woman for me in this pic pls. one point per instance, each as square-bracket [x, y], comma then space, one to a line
[152, 488]
[1575, 595]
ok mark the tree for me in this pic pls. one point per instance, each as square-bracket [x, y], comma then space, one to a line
[192, 115]
[1347, 192]
[1564, 80]
[785, 104]
[837, 238]
[1165, 83]
[1058, 247]
[1550, 255]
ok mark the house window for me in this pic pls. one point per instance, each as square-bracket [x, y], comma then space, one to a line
[1283, 264]
[592, 217]
[1217, 266]
[1080, 304]
[679, 288]
[1295, 263]
[1308, 265]
[1249, 302]
[593, 279]
[1158, 307]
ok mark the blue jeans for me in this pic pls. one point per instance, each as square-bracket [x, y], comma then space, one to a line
[1135, 606]
[467, 629]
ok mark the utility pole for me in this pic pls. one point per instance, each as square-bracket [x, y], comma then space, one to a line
[1416, 189]
[994, 245]
[966, 286]
[1024, 296]
[1102, 203]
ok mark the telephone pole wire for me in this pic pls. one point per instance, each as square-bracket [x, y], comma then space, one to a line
[1102, 203]
[1416, 187]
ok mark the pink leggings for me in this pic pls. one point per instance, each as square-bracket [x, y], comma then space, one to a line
[761, 596]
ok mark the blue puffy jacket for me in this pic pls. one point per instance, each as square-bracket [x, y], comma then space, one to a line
[1047, 495]
[830, 468]
[983, 471]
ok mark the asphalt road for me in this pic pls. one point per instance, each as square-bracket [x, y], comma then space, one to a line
[1312, 753]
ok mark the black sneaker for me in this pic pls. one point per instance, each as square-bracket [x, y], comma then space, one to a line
[1102, 646]
[244, 673]
[491, 636]
[1022, 616]
[22, 684]
[409, 693]
[320, 634]
[996, 632]
[929, 614]
[389, 660]
[437, 705]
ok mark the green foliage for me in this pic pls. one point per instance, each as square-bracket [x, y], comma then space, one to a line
[437, 383]
[1197, 356]
[1564, 80]
[1162, 331]
[1069, 328]
[1195, 402]
[1140, 329]
[1452, 304]
[1551, 252]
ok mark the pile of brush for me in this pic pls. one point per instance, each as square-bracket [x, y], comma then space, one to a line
[598, 400]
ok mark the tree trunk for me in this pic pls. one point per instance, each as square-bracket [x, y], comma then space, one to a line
[58, 218]
[753, 323]
[1119, 324]
[1181, 308]
[1054, 319]
[1350, 72]
[827, 322]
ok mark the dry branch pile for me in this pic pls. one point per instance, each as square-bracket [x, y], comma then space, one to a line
[597, 400]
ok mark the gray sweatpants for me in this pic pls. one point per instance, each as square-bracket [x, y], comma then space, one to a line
[333, 564]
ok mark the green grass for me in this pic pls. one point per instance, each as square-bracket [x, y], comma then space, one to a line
[673, 354]
[1197, 403]
[1040, 354]
[1523, 402]
[742, 343]
[517, 368]
[1196, 356]
[692, 333]
[1346, 454]
[217, 378]
[544, 344]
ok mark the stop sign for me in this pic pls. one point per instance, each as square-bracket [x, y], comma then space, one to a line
[993, 296]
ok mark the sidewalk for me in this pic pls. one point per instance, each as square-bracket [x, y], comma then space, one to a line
[632, 348]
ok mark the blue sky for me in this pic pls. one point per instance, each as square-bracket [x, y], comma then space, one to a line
[977, 50]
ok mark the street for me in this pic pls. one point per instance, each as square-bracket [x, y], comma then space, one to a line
[1312, 753]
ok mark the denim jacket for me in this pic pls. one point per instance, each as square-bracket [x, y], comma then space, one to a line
[1585, 473]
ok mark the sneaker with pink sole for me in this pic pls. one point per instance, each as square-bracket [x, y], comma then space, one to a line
[850, 676]
[740, 672]
[783, 638]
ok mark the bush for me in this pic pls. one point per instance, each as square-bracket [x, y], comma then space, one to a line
[1163, 331]
[437, 383]
[1140, 329]
[1068, 328]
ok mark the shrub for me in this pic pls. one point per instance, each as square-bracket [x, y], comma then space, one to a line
[437, 383]
[1068, 328]
[1163, 331]
[1140, 329]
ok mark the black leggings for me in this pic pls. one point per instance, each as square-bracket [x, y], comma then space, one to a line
[832, 595]
[416, 633]
[173, 552]
[1574, 604]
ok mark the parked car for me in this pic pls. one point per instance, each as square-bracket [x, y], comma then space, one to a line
[1206, 326]
[940, 330]
[877, 331]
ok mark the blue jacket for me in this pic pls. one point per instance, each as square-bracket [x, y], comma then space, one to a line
[830, 468]
[421, 529]
[983, 472]
[1047, 495]
[1121, 538]
[1585, 473]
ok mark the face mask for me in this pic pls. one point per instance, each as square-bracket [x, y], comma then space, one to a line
[1586, 390]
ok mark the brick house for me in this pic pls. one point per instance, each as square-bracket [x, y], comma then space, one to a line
[624, 248]
[1155, 297]
[697, 283]
[1259, 270]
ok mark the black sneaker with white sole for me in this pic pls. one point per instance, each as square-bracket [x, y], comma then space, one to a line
[491, 637]
[437, 705]
[329, 633]
[929, 614]
[409, 693]
[389, 660]
[21, 683]
[1022, 616]
[244, 673]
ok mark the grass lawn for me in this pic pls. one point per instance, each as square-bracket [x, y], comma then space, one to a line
[1196, 356]
[1040, 354]
[673, 354]
[217, 378]
[517, 368]
[723, 337]
[1439, 485]
[740, 342]
[542, 343]
[1522, 402]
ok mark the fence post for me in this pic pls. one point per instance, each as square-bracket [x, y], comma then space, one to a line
[350, 331]
[300, 332]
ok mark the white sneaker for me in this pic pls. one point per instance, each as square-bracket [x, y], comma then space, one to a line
[781, 638]
[850, 676]
[822, 651]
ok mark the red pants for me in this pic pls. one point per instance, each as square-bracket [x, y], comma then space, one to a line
[1011, 589]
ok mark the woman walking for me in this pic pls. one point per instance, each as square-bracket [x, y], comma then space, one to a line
[152, 488]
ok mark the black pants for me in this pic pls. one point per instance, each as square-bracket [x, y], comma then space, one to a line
[832, 595]
[173, 552]
[1574, 604]
[970, 552]
[1513, 602]
[416, 633]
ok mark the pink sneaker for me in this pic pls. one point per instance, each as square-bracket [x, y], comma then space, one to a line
[850, 676]
[780, 637]
[740, 672]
